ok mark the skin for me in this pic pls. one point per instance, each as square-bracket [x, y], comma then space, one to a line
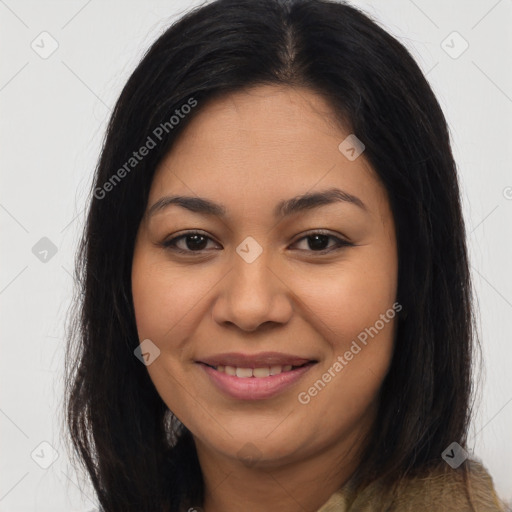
[249, 151]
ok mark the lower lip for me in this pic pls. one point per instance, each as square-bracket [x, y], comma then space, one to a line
[254, 388]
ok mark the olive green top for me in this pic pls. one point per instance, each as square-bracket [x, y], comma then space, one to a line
[439, 490]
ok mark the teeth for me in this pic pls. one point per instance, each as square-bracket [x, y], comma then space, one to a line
[274, 370]
[261, 372]
[244, 373]
[230, 370]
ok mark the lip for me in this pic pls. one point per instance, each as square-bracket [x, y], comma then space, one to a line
[254, 360]
[255, 388]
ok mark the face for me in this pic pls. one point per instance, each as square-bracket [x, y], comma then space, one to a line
[295, 298]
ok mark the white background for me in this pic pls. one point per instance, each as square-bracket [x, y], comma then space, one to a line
[54, 113]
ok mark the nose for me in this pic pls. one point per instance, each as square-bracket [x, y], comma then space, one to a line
[252, 294]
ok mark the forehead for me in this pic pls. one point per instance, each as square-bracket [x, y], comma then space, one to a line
[264, 142]
[262, 117]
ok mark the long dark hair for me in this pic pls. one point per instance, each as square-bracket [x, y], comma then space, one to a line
[138, 456]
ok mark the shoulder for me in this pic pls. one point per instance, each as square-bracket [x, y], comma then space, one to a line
[441, 488]
[447, 489]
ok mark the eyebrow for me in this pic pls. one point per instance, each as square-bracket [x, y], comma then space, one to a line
[283, 209]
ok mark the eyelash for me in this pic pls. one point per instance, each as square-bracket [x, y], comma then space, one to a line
[171, 243]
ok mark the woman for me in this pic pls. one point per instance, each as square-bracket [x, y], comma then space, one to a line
[275, 301]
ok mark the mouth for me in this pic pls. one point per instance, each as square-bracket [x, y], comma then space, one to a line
[257, 372]
[252, 377]
[259, 365]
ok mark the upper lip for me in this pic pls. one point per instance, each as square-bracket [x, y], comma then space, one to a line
[254, 360]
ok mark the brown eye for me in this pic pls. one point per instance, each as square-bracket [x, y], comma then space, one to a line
[195, 242]
[319, 242]
[189, 242]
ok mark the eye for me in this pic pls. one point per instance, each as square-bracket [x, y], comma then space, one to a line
[318, 241]
[197, 242]
[193, 241]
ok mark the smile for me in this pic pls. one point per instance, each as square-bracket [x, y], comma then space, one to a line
[252, 379]
[264, 371]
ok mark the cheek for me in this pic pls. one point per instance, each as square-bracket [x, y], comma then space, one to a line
[344, 300]
[165, 301]
[360, 335]
[353, 309]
